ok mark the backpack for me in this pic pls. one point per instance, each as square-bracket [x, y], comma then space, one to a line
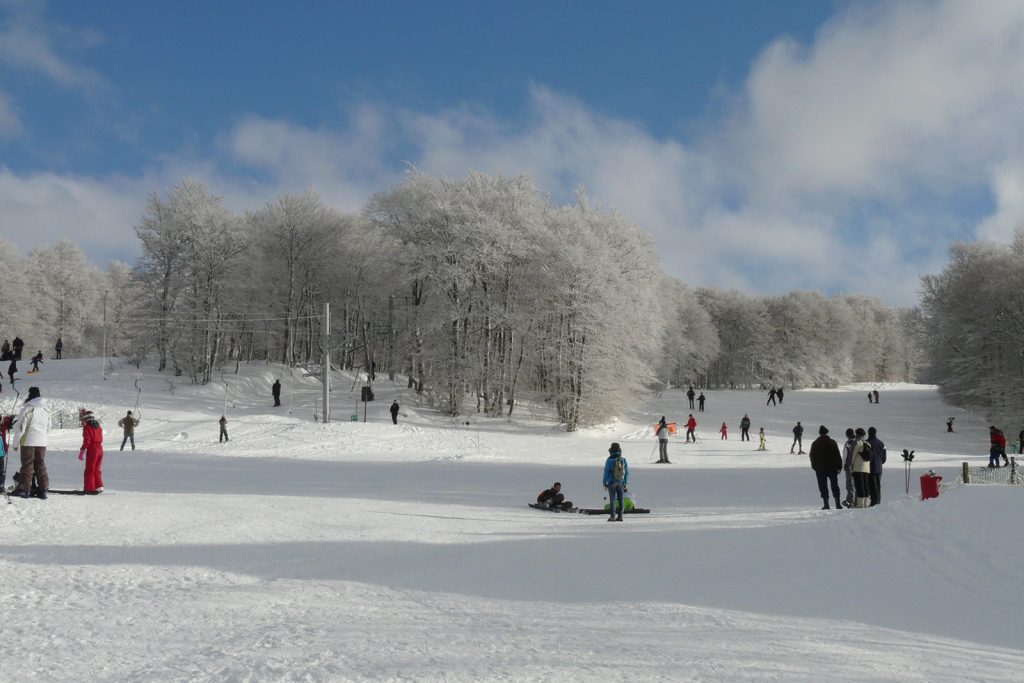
[866, 451]
[619, 469]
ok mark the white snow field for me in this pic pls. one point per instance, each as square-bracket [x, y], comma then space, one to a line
[371, 552]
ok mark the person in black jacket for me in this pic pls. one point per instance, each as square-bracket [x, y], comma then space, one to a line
[772, 393]
[745, 428]
[798, 438]
[275, 390]
[690, 393]
[826, 463]
[394, 411]
[700, 402]
[877, 460]
[17, 344]
[553, 497]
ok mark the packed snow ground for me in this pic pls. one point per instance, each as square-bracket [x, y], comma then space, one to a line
[366, 551]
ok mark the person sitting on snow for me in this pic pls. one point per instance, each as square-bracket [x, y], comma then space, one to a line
[553, 498]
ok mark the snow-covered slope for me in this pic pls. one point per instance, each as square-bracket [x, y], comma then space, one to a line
[368, 551]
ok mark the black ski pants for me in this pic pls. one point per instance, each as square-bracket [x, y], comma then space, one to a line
[875, 488]
[825, 479]
[744, 433]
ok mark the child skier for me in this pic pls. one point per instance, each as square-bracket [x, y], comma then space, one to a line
[762, 442]
[36, 360]
[91, 451]
[724, 431]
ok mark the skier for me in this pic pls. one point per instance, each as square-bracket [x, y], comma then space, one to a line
[91, 451]
[851, 440]
[875, 392]
[798, 438]
[690, 394]
[949, 425]
[5, 351]
[691, 429]
[275, 390]
[997, 449]
[128, 423]
[826, 463]
[616, 477]
[762, 442]
[17, 345]
[724, 431]
[745, 428]
[771, 397]
[553, 498]
[861, 466]
[58, 347]
[662, 441]
[779, 393]
[36, 360]
[394, 411]
[31, 428]
[700, 402]
[223, 429]
[877, 460]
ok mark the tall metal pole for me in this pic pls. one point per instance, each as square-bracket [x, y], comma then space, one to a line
[326, 369]
[391, 338]
[103, 372]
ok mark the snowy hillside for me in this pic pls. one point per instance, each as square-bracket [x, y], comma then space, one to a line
[368, 551]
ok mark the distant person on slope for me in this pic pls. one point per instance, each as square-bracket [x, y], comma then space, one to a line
[275, 391]
[826, 463]
[662, 434]
[128, 424]
[772, 393]
[31, 430]
[690, 393]
[877, 460]
[691, 429]
[871, 397]
[724, 431]
[11, 370]
[949, 425]
[997, 446]
[223, 429]
[17, 345]
[5, 351]
[58, 348]
[762, 442]
[780, 394]
[36, 360]
[91, 451]
[798, 437]
[394, 411]
[616, 477]
[851, 440]
[745, 428]
[553, 498]
[875, 392]
[700, 402]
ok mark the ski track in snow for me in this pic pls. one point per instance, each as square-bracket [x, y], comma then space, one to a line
[362, 551]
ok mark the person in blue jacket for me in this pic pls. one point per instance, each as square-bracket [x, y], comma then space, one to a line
[616, 476]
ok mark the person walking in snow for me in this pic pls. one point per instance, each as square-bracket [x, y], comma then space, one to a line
[851, 440]
[762, 442]
[997, 446]
[553, 497]
[223, 429]
[700, 402]
[780, 394]
[11, 370]
[5, 351]
[745, 428]
[949, 425]
[871, 397]
[394, 411]
[691, 429]
[275, 391]
[128, 424]
[17, 345]
[662, 434]
[31, 430]
[861, 466]
[690, 394]
[798, 437]
[36, 360]
[877, 460]
[724, 431]
[57, 348]
[91, 451]
[875, 392]
[772, 393]
[616, 477]
[826, 463]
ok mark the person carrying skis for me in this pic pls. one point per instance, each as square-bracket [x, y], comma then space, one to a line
[662, 434]
[616, 477]
[700, 402]
[275, 391]
[826, 463]
[724, 431]
[690, 394]
[798, 437]
[997, 446]
[31, 429]
[223, 429]
[394, 411]
[57, 348]
[745, 428]
[91, 451]
[851, 440]
[553, 498]
[762, 442]
[691, 429]
[128, 424]
[772, 393]
[36, 360]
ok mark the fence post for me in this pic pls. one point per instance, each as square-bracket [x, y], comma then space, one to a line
[1013, 471]
[967, 474]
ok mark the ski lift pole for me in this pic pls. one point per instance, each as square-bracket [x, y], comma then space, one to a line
[222, 379]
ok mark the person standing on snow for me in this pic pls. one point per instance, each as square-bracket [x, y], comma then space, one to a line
[691, 429]
[772, 393]
[662, 434]
[58, 347]
[779, 393]
[275, 391]
[5, 351]
[861, 467]
[128, 423]
[745, 428]
[31, 429]
[91, 451]
[851, 440]
[762, 442]
[11, 369]
[875, 392]
[877, 460]
[690, 394]
[17, 345]
[700, 402]
[616, 477]
[394, 411]
[724, 431]
[223, 429]
[36, 360]
[826, 463]
[997, 446]
[798, 437]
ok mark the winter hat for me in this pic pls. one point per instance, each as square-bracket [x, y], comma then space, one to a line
[823, 430]
[872, 431]
[860, 431]
[615, 449]
[33, 392]
[850, 433]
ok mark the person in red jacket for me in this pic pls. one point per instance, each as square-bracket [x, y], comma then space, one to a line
[91, 451]
[997, 448]
[691, 427]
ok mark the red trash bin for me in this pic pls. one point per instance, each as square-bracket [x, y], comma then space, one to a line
[930, 486]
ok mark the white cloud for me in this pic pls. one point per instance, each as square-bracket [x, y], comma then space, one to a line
[10, 122]
[27, 43]
[1008, 187]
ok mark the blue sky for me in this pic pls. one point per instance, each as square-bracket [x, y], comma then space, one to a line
[762, 143]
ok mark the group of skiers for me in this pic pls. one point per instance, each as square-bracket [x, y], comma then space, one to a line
[861, 460]
[690, 393]
[11, 353]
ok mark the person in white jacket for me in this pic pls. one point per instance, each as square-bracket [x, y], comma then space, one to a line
[861, 468]
[31, 427]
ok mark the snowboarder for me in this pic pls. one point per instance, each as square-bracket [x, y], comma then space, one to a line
[772, 393]
[861, 467]
[128, 423]
[662, 440]
[826, 463]
[17, 345]
[700, 402]
[616, 477]
[745, 428]
[690, 394]
[275, 390]
[58, 347]
[31, 428]
[691, 429]
[798, 437]
[724, 431]
[5, 351]
[762, 442]
[223, 429]
[779, 393]
[851, 440]
[875, 392]
[877, 460]
[553, 498]
[997, 448]
[91, 451]
[36, 360]
[394, 411]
